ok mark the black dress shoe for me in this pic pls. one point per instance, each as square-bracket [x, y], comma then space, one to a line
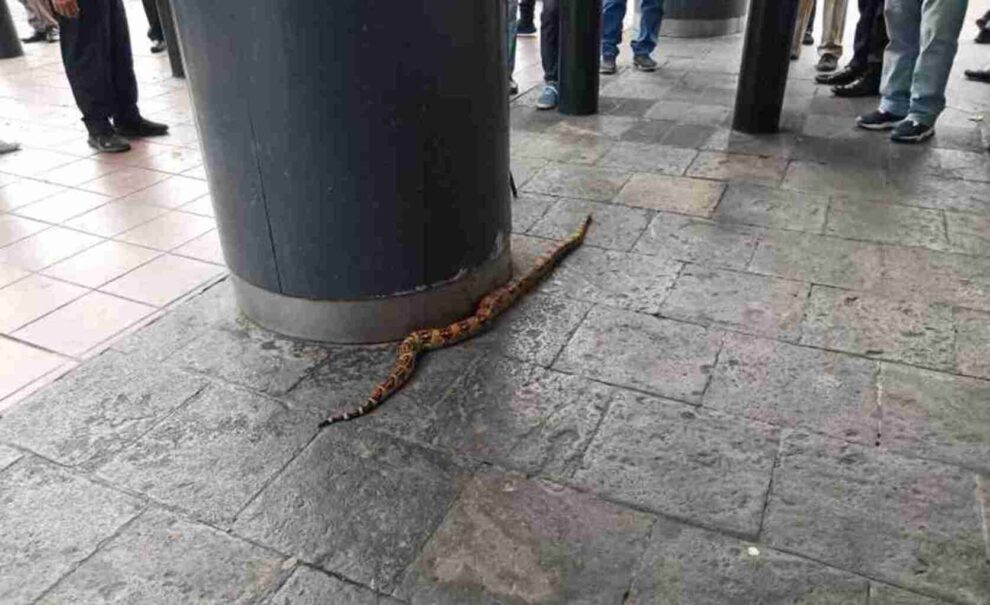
[983, 37]
[142, 128]
[108, 143]
[979, 75]
[867, 85]
[808, 39]
[844, 76]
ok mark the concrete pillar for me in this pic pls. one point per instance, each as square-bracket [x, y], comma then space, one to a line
[765, 62]
[358, 157]
[171, 39]
[580, 53]
[702, 18]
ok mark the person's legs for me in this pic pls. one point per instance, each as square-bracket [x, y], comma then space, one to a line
[870, 14]
[34, 19]
[125, 109]
[803, 19]
[154, 22]
[511, 7]
[550, 39]
[904, 28]
[527, 14]
[833, 25]
[613, 13]
[85, 43]
[649, 27]
[941, 23]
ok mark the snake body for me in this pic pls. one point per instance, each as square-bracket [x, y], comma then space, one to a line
[489, 308]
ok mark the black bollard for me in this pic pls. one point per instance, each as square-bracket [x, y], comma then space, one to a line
[10, 44]
[766, 59]
[580, 56]
[171, 39]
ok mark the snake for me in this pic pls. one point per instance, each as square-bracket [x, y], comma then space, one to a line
[488, 309]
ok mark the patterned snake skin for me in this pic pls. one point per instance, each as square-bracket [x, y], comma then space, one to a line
[490, 307]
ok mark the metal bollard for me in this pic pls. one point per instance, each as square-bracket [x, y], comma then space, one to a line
[10, 44]
[171, 38]
[580, 56]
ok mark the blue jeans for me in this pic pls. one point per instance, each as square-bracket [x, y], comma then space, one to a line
[512, 8]
[614, 11]
[924, 38]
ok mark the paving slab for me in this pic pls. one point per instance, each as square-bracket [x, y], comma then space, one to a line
[162, 559]
[910, 523]
[310, 587]
[582, 182]
[913, 189]
[883, 594]
[660, 356]
[214, 455]
[689, 565]
[820, 260]
[8, 456]
[859, 219]
[528, 208]
[774, 208]
[646, 157]
[793, 386]
[613, 227]
[599, 125]
[968, 233]
[758, 169]
[936, 416]
[749, 303]
[695, 197]
[812, 176]
[357, 503]
[511, 540]
[781, 144]
[973, 343]
[920, 274]
[669, 458]
[50, 521]
[697, 240]
[95, 412]
[575, 149]
[649, 131]
[523, 168]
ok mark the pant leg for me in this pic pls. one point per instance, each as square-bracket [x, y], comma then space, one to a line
[613, 14]
[527, 10]
[122, 65]
[904, 28]
[870, 13]
[511, 9]
[649, 27]
[803, 18]
[34, 19]
[550, 39]
[878, 38]
[941, 23]
[811, 19]
[154, 21]
[85, 53]
[833, 26]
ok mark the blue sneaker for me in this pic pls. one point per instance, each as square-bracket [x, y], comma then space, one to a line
[548, 100]
[910, 131]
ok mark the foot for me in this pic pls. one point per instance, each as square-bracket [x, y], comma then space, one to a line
[142, 128]
[38, 36]
[644, 63]
[608, 66]
[108, 143]
[548, 99]
[8, 147]
[867, 85]
[808, 40]
[794, 56]
[844, 76]
[979, 75]
[51, 35]
[983, 37]
[513, 87]
[158, 46]
[827, 62]
[878, 120]
[526, 29]
[910, 131]
[981, 22]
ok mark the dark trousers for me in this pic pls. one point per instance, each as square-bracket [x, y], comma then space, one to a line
[154, 22]
[96, 51]
[550, 39]
[871, 34]
[527, 10]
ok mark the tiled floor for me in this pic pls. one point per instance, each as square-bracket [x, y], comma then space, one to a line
[92, 245]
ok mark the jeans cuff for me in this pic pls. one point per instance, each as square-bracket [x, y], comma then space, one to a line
[922, 118]
[891, 107]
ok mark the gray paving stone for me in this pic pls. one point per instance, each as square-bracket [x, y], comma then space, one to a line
[594, 125]
[883, 594]
[845, 153]
[636, 88]
[968, 233]
[613, 227]
[920, 274]
[509, 540]
[644, 157]
[695, 197]
[51, 520]
[243, 353]
[519, 416]
[793, 386]
[648, 131]
[983, 500]
[780, 145]
[672, 459]
[774, 208]
[616, 279]
[535, 329]
[690, 113]
[310, 587]
[913, 189]
[8, 456]
[911, 332]
[355, 502]
[527, 209]
[740, 301]
[956, 164]
[595, 184]
[859, 219]
[812, 176]
[820, 260]
[763, 170]
[910, 523]
[634, 108]
[660, 356]
[162, 559]
[688, 135]
[559, 147]
[523, 168]
[936, 416]
[688, 565]
[212, 456]
[698, 241]
[973, 343]
[525, 119]
[97, 410]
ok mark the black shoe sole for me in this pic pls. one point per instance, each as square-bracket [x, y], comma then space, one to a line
[878, 127]
[921, 138]
[114, 150]
[130, 134]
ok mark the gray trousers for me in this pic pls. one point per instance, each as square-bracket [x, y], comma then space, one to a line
[34, 19]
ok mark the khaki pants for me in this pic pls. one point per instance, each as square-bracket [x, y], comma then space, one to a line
[833, 25]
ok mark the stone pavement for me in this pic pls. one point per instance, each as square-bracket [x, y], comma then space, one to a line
[764, 379]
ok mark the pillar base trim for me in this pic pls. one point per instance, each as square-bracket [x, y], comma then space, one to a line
[373, 320]
[701, 28]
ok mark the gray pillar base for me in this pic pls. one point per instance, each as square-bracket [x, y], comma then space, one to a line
[701, 28]
[373, 320]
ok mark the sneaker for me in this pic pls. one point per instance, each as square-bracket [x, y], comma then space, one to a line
[8, 147]
[513, 87]
[51, 35]
[808, 40]
[38, 36]
[983, 37]
[608, 66]
[979, 75]
[158, 46]
[548, 99]
[141, 128]
[910, 131]
[108, 143]
[878, 120]
[526, 30]
[827, 62]
[644, 63]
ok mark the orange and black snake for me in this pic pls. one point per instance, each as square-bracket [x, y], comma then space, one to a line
[490, 307]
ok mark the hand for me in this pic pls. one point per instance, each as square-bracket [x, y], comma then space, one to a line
[67, 8]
